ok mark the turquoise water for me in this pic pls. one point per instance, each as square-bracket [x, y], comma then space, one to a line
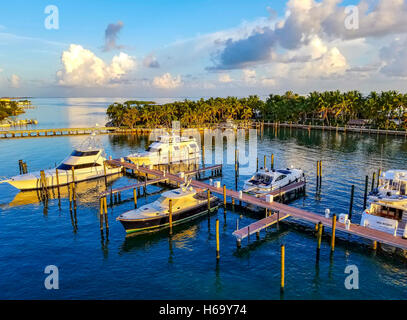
[34, 235]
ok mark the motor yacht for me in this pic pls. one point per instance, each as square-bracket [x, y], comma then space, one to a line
[386, 216]
[187, 204]
[265, 181]
[87, 162]
[168, 149]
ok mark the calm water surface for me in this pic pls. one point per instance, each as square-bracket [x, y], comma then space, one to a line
[34, 235]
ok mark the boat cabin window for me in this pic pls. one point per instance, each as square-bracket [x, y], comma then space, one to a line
[152, 149]
[77, 153]
[64, 166]
[193, 145]
[281, 177]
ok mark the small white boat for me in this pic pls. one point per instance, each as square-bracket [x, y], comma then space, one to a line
[187, 204]
[264, 181]
[168, 149]
[392, 187]
[387, 217]
[87, 162]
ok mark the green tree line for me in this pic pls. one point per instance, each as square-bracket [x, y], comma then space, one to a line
[9, 108]
[385, 110]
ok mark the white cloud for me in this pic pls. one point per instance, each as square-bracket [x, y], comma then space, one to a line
[14, 81]
[166, 81]
[150, 61]
[225, 78]
[394, 58]
[249, 76]
[81, 67]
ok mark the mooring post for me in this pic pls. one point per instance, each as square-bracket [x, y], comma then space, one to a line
[272, 162]
[101, 209]
[237, 224]
[217, 239]
[73, 174]
[319, 238]
[379, 173]
[352, 192]
[265, 162]
[374, 245]
[373, 180]
[170, 215]
[333, 233]
[282, 268]
[257, 164]
[135, 197]
[224, 196]
[105, 211]
[365, 195]
[209, 201]
[20, 166]
[320, 173]
[317, 174]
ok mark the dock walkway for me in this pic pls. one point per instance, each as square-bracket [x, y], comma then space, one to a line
[296, 213]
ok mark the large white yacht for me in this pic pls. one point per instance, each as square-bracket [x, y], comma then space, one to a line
[168, 149]
[87, 160]
[265, 181]
[386, 216]
[187, 204]
[392, 187]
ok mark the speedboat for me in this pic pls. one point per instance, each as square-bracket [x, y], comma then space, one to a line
[264, 181]
[87, 162]
[392, 187]
[387, 217]
[168, 149]
[187, 204]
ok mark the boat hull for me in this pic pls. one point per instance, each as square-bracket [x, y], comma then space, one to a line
[31, 181]
[162, 222]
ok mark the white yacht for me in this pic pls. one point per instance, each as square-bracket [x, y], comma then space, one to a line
[87, 162]
[385, 216]
[392, 187]
[168, 149]
[187, 204]
[265, 181]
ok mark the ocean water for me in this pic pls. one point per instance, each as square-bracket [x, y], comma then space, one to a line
[34, 235]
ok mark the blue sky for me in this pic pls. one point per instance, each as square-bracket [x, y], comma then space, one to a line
[201, 48]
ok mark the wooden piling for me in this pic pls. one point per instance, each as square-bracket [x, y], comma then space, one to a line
[319, 235]
[224, 195]
[73, 174]
[135, 197]
[333, 233]
[351, 201]
[101, 209]
[365, 194]
[379, 173]
[282, 268]
[105, 211]
[373, 180]
[170, 215]
[265, 163]
[257, 164]
[209, 201]
[272, 162]
[217, 239]
[374, 245]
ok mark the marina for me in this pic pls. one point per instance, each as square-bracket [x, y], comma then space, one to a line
[298, 216]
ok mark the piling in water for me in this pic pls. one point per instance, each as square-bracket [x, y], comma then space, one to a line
[224, 195]
[135, 197]
[333, 233]
[365, 194]
[217, 239]
[351, 201]
[170, 215]
[373, 180]
[282, 267]
[272, 162]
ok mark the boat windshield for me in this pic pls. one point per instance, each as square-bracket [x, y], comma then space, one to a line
[152, 149]
[77, 153]
[262, 178]
[64, 166]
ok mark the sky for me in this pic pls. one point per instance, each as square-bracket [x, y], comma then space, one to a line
[200, 48]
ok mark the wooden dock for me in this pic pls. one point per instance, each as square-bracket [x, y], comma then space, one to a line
[282, 209]
[133, 186]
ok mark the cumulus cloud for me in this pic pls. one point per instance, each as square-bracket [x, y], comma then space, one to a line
[111, 35]
[249, 76]
[224, 77]
[307, 19]
[150, 61]
[14, 81]
[166, 81]
[81, 67]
